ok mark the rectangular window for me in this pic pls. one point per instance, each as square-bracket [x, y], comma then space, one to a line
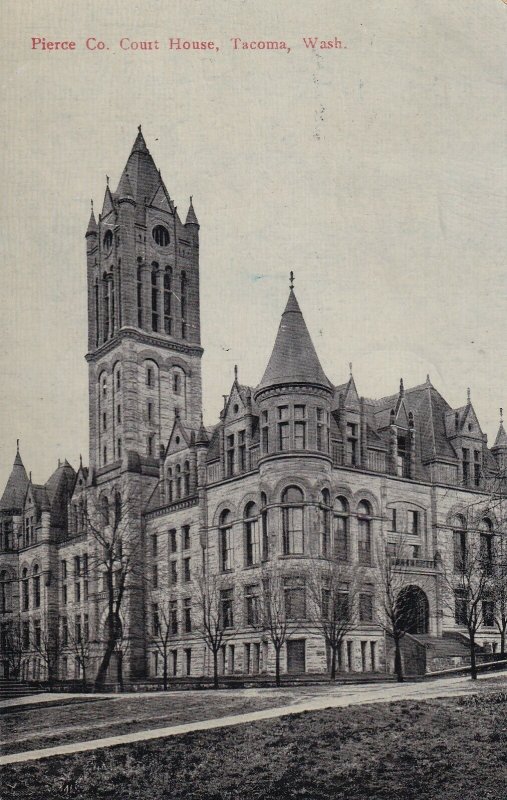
[174, 662]
[26, 635]
[64, 594]
[394, 520]
[174, 572]
[265, 439]
[299, 435]
[230, 454]
[77, 566]
[488, 613]
[173, 545]
[465, 454]
[459, 551]
[187, 614]
[283, 436]
[173, 617]
[77, 629]
[36, 592]
[149, 376]
[460, 606]
[252, 600]
[155, 620]
[104, 421]
[226, 549]
[403, 458]
[77, 592]
[295, 601]
[65, 632]
[226, 608]
[477, 468]
[188, 660]
[253, 543]
[351, 444]
[37, 633]
[118, 413]
[186, 570]
[154, 545]
[242, 450]
[84, 564]
[366, 607]
[86, 628]
[150, 410]
[154, 576]
[486, 551]
[413, 522]
[293, 534]
[364, 542]
[185, 535]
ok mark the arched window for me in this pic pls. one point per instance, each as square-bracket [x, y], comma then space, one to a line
[178, 481]
[225, 541]
[36, 586]
[486, 545]
[186, 478]
[325, 517]
[5, 592]
[364, 533]
[292, 518]
[170, 485]
[140, 296]
[341, 529]
[168, 275]
[183, 305]
[459, 543]
[25, 591]
[104, 455]
[117, 508]
[97, 305]
[264, 526]
[105, 295]
[176, 382]
[252, 536]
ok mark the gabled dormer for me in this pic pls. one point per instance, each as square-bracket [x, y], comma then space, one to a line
[466, 437]
[237, 418]
[179, 468]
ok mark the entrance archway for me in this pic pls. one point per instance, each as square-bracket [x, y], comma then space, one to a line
[413, 610]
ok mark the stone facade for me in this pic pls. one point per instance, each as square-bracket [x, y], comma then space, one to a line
[297, 470]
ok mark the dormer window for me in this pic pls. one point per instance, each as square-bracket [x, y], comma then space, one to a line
[477, 467]
[351, 452]
[465, 453]
[403, 457]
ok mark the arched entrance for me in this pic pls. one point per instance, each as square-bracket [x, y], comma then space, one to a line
[413, 610]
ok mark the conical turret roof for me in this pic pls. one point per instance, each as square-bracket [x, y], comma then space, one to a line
[92, 225]
[140, 171]
[15, 489]
[501, 437]
[294, 359]
[191, 216]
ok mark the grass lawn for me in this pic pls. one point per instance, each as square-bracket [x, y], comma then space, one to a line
[448, 749]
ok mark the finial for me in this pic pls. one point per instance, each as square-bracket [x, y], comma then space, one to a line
[291, 280]
[402, 388]
[91, 203]
[350, 368]
[468, 394]
[501, 416]
[58, 462]
[202, 420]
[235, 372]
[80, 461]
[107, 180]
[17, 446]
[30, 475]
[139, 128]
[226, 397]
[428, 377]
[191, 198]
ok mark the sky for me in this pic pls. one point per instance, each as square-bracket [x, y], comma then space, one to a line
[375, 171]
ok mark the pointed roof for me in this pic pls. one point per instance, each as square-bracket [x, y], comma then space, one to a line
[16, 486]
[191, 217]
[501, 437]
[294, 359]
[140, 171]
[202, 434]
[92, 225]
[124, 190]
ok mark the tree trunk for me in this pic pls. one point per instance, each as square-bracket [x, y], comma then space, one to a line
[398, 665]
[104, 664]
[120, 670]
[165, 672]
[215, 669]
[84, 675]
[277, 666]
[473, 663]
[333, 663]
[502, 642]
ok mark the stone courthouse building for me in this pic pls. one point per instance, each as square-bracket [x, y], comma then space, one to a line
[295, 469]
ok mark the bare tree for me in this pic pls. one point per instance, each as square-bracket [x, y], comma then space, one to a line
[468, 583]
[394, 611]
[46, 642]
[333, 609]
[11, 647]
[79, 644]
[499, 597]
[282, 607]
[213, 614]
[161, 632]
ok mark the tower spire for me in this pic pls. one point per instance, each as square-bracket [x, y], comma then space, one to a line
[291, 277]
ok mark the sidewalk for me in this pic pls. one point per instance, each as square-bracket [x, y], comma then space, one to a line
[336, 698]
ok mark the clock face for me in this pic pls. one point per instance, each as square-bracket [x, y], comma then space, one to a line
[160, 235]
[108, 241]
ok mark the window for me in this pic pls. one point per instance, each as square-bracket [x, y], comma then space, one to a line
[394, 519]
[149, 376]
[242, 450]
[341, 529]
[150, 448]
[351, 444]
[139, 296]
[477, 468]
[413, 522]
[85, 590]
[25, 591]
[364, 533]
[460, 606]
[77, 629]
[465, 455]
[77, 566]
[155, 619]
[154, 575]
[264, 526]
[488, 613]
[173, 617]
[403, 457]
[186, 478]
[173, 544]
[183, 303]
[118, 379]
[108, 240]
[252, 537]
[5, 604]
[299, 427]
[320, 428]
[168, 301]
[64, 594]
[25, 635]
[160, 235]
[36, 587]
[176, 383]
[187, 614]
[188, 660]
[150, 410]
[174, 662]
[283, 428]
[104, 455]
[486, 546]
[226, 609]
[178, 481]
[460, 544]
[252, 607]
[226, 541]
[77, 592]
[174, 572]
[265, 432]
[366, 606]
[292, 516]
[185, 535]
[294, 594]
[325, 513]
[65, 632]
[230, 454]
[170, 485]
[154, 298]
[86, 628]
[154, 545]
[186, 570]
